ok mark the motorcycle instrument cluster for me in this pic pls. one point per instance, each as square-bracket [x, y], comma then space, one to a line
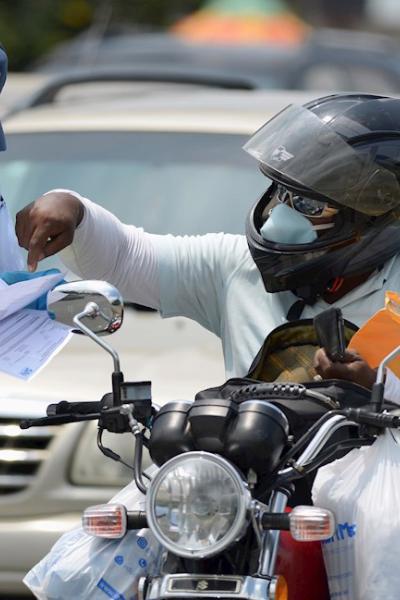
[252, 434]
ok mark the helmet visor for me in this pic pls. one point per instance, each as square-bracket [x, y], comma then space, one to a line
[304, 151]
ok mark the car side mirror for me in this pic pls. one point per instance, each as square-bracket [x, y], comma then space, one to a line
[68, 300]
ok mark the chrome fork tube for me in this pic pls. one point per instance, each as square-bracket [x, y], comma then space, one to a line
[269, 552]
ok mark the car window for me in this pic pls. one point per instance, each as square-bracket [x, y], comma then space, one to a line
[165, 182]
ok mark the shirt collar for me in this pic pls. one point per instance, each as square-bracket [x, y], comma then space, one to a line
[375, 282]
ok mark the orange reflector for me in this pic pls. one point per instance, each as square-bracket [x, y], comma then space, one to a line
[278, 589]
[105, 520]
[310, 523]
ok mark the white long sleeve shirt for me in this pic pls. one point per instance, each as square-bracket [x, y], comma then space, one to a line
[211, 279]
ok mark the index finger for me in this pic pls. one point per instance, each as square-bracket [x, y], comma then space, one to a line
[51, 246]
[36, 247]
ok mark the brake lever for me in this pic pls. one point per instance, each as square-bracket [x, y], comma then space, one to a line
[117, 424]
[57, 420]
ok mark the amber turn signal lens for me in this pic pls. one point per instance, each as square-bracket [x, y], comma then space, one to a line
[278, 589]
[105, 520]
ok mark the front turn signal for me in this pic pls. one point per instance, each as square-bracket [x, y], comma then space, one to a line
[105, 520]
[310, 523]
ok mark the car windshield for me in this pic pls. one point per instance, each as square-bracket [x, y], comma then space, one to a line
[179, 183]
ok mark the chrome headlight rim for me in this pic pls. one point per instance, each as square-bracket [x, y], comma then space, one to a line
[241, 519]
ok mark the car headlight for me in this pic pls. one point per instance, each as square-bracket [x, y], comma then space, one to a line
[197, 505]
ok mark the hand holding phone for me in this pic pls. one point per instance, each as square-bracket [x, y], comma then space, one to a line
[329, 327]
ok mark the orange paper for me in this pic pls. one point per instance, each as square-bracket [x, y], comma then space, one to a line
[380, 335]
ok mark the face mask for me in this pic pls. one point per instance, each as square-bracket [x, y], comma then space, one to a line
[287, 226]
[10, 253]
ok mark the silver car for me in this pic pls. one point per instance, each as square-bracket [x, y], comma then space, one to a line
[163, 156]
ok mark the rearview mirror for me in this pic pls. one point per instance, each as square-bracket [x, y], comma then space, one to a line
[69, 299]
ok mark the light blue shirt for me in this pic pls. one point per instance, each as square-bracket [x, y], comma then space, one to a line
[213, 280]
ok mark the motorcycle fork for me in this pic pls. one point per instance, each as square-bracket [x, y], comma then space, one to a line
[270, 538]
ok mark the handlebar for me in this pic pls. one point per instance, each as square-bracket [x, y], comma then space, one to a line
[110, 416]
[312, 456]
[69, 412]
[76, 408]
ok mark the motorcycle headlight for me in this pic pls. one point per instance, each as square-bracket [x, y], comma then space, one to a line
[197, 505]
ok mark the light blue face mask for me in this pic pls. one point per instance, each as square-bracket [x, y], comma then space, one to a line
[286, 225]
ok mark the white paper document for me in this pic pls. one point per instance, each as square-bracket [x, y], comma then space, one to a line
[18, 295]
[28, 340]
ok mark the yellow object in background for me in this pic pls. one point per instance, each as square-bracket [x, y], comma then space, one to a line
[380, 334]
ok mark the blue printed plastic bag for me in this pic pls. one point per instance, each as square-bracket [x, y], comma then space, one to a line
[363, 491]
[81, 566]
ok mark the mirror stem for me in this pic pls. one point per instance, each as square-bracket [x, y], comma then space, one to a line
[92, 310]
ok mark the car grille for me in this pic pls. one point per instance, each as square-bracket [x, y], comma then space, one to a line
[21, 454]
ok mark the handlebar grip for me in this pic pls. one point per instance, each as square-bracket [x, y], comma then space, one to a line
[77, 408]
[364, 417]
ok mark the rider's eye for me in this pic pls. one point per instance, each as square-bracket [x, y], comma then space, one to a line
[308, 206]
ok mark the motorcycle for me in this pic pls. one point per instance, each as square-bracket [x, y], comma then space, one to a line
[227, 467]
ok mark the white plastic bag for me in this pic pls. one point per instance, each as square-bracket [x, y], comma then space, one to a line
[10, 253]
[81, 566]
[363, 490]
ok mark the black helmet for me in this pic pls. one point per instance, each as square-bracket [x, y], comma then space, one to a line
[3, 77]
[343, 150]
